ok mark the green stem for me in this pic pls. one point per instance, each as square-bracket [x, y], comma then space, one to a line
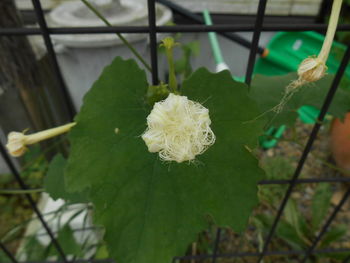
[172, 76]
[123, 39]
[169, 44]
[47, 134]
[332, 26]
[20, 191]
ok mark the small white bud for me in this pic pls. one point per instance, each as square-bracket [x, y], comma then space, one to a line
[312, 69]
[16, 144]
[17, 141]
[179, 129]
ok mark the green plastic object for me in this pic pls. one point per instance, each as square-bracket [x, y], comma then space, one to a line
[288, 49]
[219, 59]
[213, 38]
[271, 137]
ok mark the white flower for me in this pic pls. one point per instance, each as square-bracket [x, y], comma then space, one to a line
[179, 129]
[17, 141]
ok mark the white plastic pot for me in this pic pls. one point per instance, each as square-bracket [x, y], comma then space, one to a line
[82, 57]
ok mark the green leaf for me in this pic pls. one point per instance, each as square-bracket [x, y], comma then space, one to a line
[333, 235]
[277, 167]
[285, 231]
[295, 219]
[292, 215]
[183, 65]
[102, 252]
[67, 240]
[267, 92]
[262, 221]
[54, 182]
[288, 233]
[335, 255]
[34, 250]
[153, 210]
[320, 204]
[4, 258]
[68, 243]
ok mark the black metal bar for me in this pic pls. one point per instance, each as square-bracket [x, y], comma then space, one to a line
[267, 182]
[307, 181]
[308, 147]
[153, 39]
[198, 19]
[203, 257]
[73, 230]
[324, 8]
[52, 56]
[169, 29]
[326, 226]
[108, 260]
[31, 201]
[8, 253]
[216, 245]
[269, 253]
[233, 255]
[255, 41]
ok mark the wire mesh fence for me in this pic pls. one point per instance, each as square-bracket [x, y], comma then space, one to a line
[226, 30]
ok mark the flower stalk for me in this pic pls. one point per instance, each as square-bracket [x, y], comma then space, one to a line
[169, 43]
[20, 191]
[18, 141]
[332, 26]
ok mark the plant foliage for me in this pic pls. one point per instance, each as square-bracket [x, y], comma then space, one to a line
[153, 210]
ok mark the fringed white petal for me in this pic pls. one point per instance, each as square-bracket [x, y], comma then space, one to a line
[179, 129]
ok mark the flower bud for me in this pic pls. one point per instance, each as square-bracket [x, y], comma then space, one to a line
[17, 141]
[16, 144]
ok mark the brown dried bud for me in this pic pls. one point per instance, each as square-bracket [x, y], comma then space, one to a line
[311, 69]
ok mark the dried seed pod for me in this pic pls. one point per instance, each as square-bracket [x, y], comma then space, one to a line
[312, 69]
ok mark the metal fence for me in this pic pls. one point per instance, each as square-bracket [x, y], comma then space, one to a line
[226, 31]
